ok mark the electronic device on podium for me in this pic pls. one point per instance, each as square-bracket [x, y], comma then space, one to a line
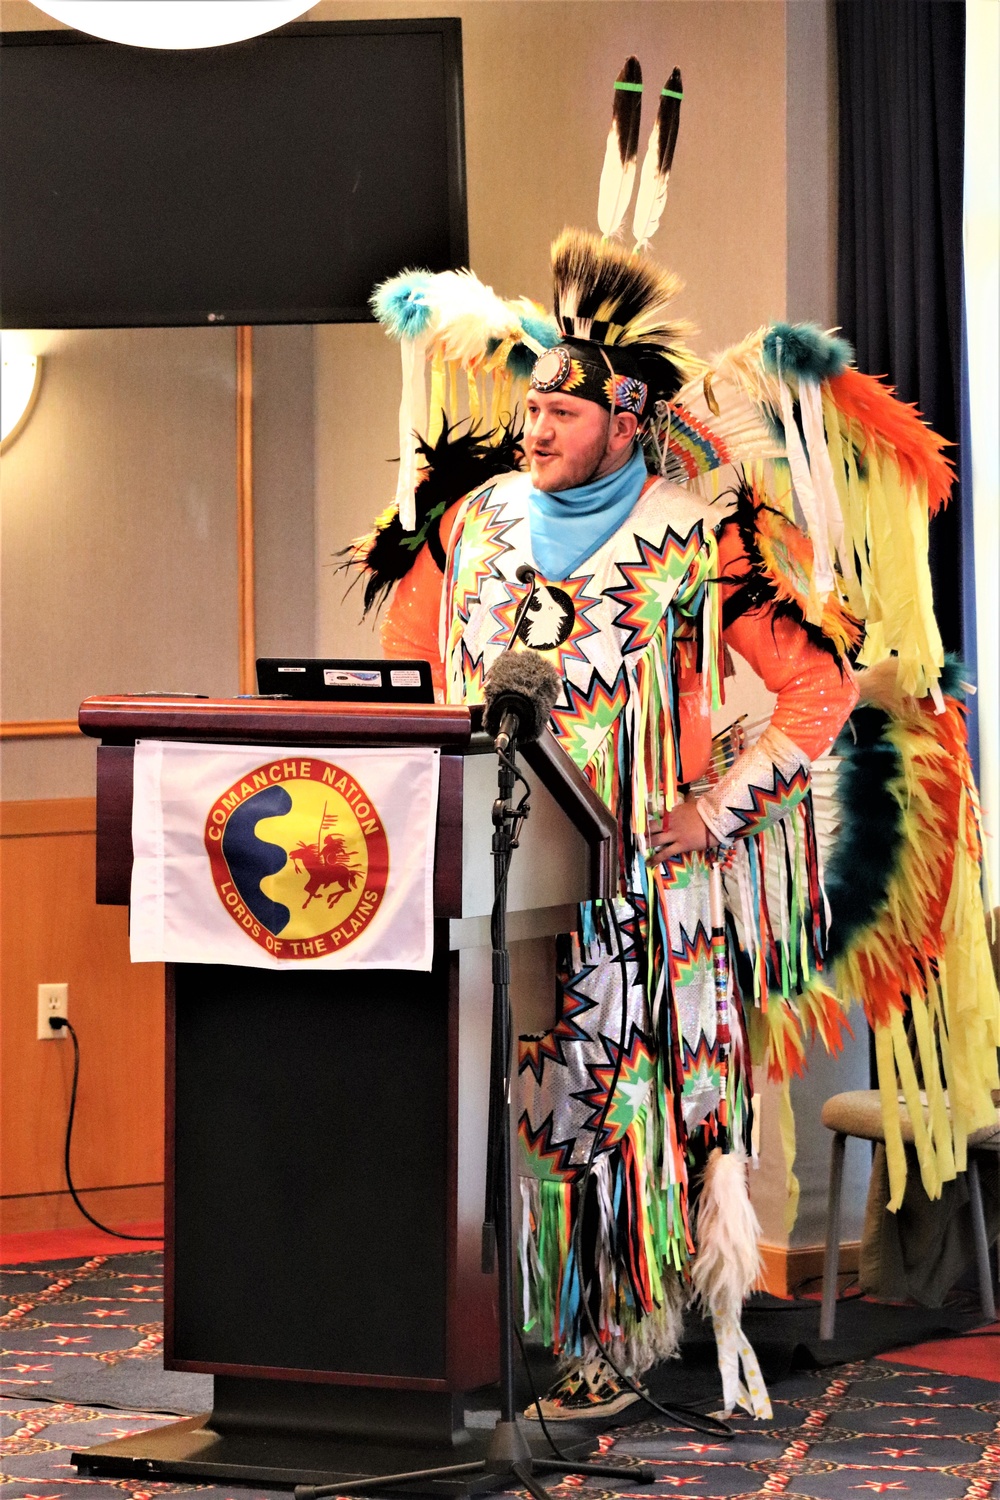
[318, 680]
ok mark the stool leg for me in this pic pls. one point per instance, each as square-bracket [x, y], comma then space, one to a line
[831, 1261]
[983, 1268]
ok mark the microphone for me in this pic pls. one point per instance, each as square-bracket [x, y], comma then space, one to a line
[520, 689]
[526, 576]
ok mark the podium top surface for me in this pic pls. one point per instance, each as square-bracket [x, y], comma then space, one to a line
[124, 719]
[453, 728]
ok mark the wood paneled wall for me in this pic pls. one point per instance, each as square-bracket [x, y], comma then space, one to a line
[54, 932]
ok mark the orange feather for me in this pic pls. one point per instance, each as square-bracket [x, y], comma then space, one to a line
[893, 424]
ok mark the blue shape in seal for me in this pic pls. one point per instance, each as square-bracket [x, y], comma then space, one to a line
[251, 860]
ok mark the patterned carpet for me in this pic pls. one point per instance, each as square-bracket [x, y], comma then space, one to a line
[866, 1428]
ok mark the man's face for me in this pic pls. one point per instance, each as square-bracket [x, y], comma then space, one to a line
[565, 440]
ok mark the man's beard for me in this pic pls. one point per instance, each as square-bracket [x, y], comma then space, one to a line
[582, 471]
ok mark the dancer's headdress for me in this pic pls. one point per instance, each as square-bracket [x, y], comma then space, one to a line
[610, 310]
[620, 346]
[613, 339]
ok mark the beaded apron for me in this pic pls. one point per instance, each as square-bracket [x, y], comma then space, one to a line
[609, 630]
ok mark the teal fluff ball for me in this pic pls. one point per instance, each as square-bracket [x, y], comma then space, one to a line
[806, 351]
[403, 304]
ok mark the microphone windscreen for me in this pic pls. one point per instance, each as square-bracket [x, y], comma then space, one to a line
[528, 684]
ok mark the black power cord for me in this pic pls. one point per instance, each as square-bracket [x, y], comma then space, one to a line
[59, 1023]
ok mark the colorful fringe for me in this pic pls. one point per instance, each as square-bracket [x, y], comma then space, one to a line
[637, 1293]
[636, 769]
[907, 937]
[662, 1125]
[925, 955]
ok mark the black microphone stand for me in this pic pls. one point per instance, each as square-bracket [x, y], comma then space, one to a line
[508, 1454]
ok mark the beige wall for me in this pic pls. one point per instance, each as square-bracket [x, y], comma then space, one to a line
[118, 562]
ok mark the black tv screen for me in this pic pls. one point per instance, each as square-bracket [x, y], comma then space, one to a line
[271, 181]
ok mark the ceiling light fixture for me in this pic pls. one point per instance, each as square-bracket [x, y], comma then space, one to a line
[174, 24]
[21, 373]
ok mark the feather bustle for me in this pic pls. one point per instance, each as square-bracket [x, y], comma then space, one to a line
[891, 423]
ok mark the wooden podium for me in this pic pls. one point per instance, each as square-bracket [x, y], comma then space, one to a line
[326, 1130]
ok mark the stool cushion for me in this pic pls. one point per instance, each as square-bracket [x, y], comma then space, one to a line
[859, 1113]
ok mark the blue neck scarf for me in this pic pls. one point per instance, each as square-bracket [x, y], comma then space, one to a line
[569, 525]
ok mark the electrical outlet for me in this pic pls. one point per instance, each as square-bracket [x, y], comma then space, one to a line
[53, 1000]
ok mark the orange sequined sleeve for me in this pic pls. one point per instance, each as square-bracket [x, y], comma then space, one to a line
[409, 626]
[815, 694]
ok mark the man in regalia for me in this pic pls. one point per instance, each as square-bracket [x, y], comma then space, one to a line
[674, 515]
[640, 589]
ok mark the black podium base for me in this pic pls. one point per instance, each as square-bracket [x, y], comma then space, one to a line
[193, 1449]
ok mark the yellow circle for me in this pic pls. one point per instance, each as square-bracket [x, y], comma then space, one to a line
[327, 867]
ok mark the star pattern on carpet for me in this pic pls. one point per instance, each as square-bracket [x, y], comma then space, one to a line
[831, 1436]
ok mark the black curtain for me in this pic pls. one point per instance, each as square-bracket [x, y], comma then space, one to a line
[899, 273]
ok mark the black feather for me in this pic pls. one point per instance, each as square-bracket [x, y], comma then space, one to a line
[627, 109]
[668, 119]
[659, 369]
[866, 854]
[456, 464]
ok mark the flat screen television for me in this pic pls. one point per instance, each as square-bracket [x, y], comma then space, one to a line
[270, 181]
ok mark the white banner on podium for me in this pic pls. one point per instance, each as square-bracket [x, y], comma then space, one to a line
[276, 858]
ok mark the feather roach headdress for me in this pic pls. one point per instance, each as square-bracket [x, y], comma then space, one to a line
[612, 308]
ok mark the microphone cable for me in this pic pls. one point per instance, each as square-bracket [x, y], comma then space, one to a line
[60, 1023]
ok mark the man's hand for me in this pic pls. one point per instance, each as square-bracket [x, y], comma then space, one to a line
[683, 832]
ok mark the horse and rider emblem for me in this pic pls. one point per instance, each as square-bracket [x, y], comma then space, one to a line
[327, 862]
[299, 856]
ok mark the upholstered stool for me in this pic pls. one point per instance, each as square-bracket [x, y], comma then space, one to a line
[859, 1114]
